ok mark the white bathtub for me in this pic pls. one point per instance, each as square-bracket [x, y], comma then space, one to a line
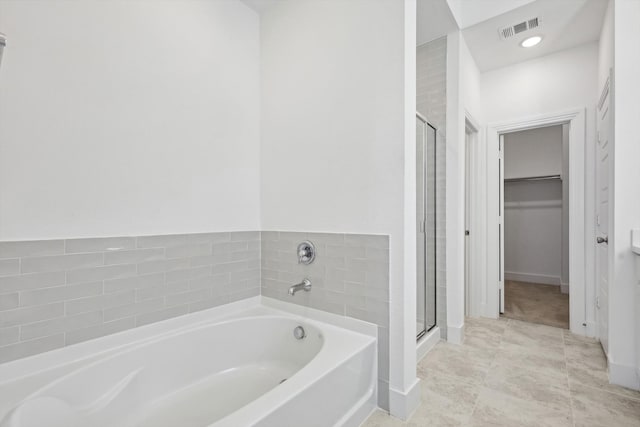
[231, 366]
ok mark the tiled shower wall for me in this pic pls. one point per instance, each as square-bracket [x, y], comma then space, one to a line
[431, 98]
[350, 277]
[60, 292]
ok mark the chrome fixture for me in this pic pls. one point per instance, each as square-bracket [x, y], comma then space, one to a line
[604, 239]
[299, 332]
[305, 285]
[3, 43]
[306, 252]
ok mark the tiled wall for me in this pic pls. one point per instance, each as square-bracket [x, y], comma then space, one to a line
[431, 101]
[350, 277]
[60, 292]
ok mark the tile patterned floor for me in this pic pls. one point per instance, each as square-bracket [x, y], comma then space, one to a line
[512, 373]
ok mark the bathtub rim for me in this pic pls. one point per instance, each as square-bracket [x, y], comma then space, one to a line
[108, 345]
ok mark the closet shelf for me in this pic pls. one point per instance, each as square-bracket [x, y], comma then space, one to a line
[534, 178]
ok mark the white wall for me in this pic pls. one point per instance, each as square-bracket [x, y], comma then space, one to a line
[533, 152]
[547, 84]
[463, 98]
[337, 97]
[624, 289]
[128, 118]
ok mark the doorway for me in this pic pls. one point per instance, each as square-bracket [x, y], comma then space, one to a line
[491, 306]
[534, 225]
[425, 226]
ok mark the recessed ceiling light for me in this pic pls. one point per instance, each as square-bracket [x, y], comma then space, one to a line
[531, 41]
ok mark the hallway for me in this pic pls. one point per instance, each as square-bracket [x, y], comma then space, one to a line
[512, 373]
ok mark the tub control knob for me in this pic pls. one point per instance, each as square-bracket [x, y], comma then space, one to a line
[306, 252]
[299, 332]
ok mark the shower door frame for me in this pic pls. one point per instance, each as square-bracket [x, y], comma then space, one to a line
[425, 330]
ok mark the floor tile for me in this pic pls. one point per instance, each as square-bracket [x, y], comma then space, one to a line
[597, 378]
[512, 373]
[466, 363]
[446, 400]
[593, 407]
[499, 409]
[529, 383]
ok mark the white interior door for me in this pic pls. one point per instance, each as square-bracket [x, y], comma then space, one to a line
[603, 192]
[501, 223]
[467, 221]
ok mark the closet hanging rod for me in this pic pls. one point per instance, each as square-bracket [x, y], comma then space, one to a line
[534, 178]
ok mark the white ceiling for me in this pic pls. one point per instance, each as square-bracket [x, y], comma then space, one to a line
[470, 12]
[565, 24]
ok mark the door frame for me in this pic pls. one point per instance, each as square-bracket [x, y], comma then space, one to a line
[576, 118]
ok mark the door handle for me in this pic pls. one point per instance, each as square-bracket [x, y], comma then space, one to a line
[604, 239]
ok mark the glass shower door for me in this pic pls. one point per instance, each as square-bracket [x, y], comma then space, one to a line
[425, 226]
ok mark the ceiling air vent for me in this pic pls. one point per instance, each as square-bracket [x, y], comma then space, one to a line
[512, 30]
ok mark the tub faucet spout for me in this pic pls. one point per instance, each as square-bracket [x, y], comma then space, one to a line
[305, 285]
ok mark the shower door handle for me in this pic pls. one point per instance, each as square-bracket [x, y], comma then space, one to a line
[604, 239]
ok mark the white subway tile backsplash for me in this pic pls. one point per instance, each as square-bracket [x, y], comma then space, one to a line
[187, 251]
[61, 262]
[9, 335]
[133, 282]
[79, 289]
[31, 248]
[188, 297]
[29, 348]
[59, 325]
[163, 265]
[133, 256]
[99, 302]
[21, 316]
[214, 301]
[91, 332]
[99, 244]
[9, 267]
[59, 293]
[161, 241]
[163, 314]
[189, 273]
[9, 301]
[134, 309]
[101, 273]
[31, 281]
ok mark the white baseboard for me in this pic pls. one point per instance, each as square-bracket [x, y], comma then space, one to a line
[403, 404]
[564, 288]
[623, 375]
[533, 278]
[455, 334]
[427, 342]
